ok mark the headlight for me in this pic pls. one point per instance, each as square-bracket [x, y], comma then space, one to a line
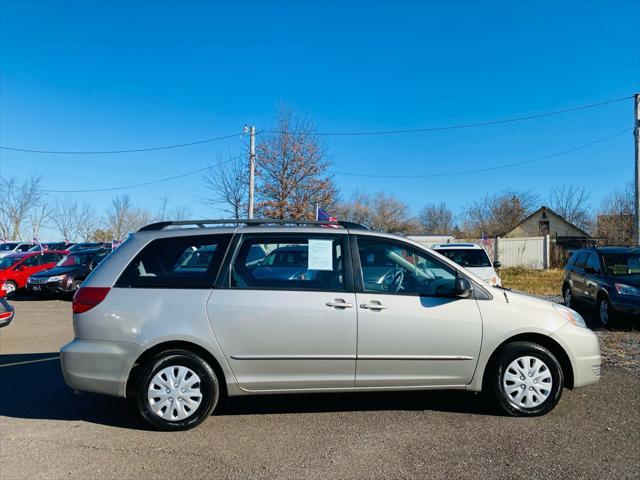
[55, 278]
[570, 315]
[623, 289]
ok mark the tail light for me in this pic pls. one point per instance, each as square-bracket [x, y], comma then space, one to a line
[5, 315]
[88, 297]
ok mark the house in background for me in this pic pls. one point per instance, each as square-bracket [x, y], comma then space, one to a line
[563, 235]
[545, 221]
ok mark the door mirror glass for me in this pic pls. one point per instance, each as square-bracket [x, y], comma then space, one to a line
[463, 288]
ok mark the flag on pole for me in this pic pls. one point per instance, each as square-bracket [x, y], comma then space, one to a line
[323, 216]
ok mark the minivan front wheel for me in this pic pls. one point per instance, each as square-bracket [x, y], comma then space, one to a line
[177, 390]
[526, 379]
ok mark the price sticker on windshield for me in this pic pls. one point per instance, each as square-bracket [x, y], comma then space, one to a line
[320, 255]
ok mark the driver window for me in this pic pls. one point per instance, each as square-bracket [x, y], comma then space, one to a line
[394, 267]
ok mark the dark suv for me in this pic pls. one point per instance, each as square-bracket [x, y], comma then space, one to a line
[67, 276]
[606, 277]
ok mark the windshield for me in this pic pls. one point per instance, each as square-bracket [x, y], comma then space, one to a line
[621, 263]
[5, 247]
[467, 257]
[8, 262]
[75, 259]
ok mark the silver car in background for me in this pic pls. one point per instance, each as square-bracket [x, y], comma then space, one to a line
[179, 317]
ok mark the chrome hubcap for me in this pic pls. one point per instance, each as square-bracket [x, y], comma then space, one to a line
[174, 393]
[604, 312]
[527, 382]
[9, 288]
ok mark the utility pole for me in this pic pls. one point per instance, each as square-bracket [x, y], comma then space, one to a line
[252, 166]
[636, 134]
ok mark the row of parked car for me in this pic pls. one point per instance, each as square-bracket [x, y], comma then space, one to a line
[53, 269]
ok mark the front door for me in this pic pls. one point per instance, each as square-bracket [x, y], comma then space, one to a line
[412, 331]
[287, 321]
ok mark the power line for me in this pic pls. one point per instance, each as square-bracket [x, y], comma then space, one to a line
[489, 169]
[352, 133]
[355, 174]
[144, 184]
[463, 125]
[104, 152]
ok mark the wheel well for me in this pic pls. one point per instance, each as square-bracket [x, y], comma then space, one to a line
[543, 340]
[173, 345]
[602, 293]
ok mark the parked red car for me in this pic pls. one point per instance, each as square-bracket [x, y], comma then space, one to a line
[15, 269]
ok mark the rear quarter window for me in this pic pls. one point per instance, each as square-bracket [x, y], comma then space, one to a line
[178, 262]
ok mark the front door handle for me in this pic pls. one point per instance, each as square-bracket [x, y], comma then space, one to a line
[372, 306]
[339, 303]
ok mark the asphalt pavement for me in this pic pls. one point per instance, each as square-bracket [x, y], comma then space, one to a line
[46, 431]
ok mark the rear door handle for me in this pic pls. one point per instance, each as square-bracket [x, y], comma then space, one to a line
[372, 306]
[339, 303]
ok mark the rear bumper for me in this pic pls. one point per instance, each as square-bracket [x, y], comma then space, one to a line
[98, 366]
[5, 318]
[6, 313]
[583, 349]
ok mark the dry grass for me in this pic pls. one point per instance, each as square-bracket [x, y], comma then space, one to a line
[536, 282]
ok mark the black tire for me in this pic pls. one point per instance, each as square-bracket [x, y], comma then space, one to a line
[75, 286]
[510, 353]
[567, 297]
[209, 388]
[15, 289]
[606, 319]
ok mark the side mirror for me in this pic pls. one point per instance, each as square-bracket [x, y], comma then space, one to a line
[497, 264]
[463, 288]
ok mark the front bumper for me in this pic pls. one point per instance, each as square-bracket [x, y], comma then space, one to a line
[56, 288]
[625, 304]
[583, 350]
[98, 366]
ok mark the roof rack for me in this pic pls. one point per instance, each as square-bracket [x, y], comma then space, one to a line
[243, 221]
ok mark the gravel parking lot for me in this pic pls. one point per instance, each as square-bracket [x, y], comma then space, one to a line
[48, 432]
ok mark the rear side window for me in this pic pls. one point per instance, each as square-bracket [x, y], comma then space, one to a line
[296, 262]
[179, 262]
[581, 260]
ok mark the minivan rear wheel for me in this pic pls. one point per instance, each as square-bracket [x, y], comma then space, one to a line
[526, 379]
[177, 390]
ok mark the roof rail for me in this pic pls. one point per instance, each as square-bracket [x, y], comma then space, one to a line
[243, 221]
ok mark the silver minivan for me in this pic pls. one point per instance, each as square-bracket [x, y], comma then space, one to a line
[184, 314]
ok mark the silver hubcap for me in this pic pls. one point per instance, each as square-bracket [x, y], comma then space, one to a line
[527, 382]
[604, 312]
[9, 288]
[174, 393]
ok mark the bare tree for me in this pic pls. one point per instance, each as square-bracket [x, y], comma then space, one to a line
[17, 200]
[291, 169]
[118, 216]
[87, 222]
[123, 217]
[615, 218]
[169, 212]
[380, 212]
[37, 217]
[72, 220]
[572, 202]
[437, 219]
[498, 214]
[229, 186]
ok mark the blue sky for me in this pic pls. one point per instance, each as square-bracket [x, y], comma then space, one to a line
[119, 75]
